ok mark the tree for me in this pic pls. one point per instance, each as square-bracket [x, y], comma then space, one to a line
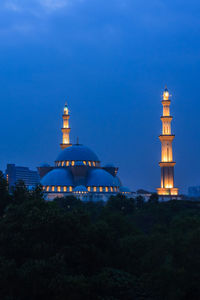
[121, 204]
[139, 201]
[153, 198]
[4, 194]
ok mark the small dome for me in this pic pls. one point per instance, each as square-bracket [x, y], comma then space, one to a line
[99, 177]
[77, 153]
[57, 177]
[80, 188]
[124, 189]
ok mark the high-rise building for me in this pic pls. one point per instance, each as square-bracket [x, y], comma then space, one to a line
[15, 174]
[167, 163]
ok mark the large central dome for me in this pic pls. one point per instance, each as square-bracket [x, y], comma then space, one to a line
[77, 153]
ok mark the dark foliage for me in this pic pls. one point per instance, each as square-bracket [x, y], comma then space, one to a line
[70, 250]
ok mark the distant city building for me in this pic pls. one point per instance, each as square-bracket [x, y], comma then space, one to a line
[167, 163]
[15, 174]
[78, 172]
[194, 191]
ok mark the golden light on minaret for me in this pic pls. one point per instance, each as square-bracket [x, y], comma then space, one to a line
[65, 129]
[167, 164]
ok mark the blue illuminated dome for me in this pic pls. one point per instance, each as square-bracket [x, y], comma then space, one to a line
[58, 177]
[99, 177]
[77, 153]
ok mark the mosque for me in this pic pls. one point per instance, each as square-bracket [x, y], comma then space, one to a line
[78, 172]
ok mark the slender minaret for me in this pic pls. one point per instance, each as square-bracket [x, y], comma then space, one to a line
[167, 164]
[66, 129]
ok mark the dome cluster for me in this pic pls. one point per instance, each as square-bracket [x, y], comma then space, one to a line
[77, 170]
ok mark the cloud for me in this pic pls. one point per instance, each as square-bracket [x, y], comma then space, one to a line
[53, 4]
[12, 5]
[35, 5]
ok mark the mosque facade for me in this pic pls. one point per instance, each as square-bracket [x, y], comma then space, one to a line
[78, 171]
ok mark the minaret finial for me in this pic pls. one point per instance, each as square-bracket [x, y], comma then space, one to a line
[166, 93]
[66, 129]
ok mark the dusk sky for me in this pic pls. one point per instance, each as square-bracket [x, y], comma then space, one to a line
[110, 60]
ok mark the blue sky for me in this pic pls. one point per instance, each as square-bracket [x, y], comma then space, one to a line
[110, 60]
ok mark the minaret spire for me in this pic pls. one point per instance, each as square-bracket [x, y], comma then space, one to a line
[65, 129]
[167, 164]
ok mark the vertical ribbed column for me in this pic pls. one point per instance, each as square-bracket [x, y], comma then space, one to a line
[65, 129]
[167, 164]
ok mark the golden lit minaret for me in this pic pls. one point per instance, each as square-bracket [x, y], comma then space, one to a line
[167, 164]
[66, 129]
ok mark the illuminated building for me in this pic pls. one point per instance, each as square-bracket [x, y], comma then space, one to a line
[78, 172]
[65, 129]
[167, 163]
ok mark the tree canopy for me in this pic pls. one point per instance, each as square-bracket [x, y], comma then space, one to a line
[123, 249]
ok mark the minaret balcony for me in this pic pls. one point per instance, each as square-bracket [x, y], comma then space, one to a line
[63, 146]
[166, 102]
[166, 118]
[166, 137]
[66, 117]
[65, 130]
[167, 164]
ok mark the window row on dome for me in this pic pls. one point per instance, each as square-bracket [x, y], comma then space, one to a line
[73, 163]
[102, 189]
[94, 189]
[58, 189]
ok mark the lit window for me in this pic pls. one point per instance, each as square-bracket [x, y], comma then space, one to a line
[94, 163]
[65, 189]
[106, 188]
[53, 188]
[73, 163]
[59, 164]
[100, 189]
[43, 188]
[47, 188]
[70, 188]
[89, 163]
[58, 189]
[111, 189]
[63, 163]
[84, 162]
[89, 189]
[94, 189]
